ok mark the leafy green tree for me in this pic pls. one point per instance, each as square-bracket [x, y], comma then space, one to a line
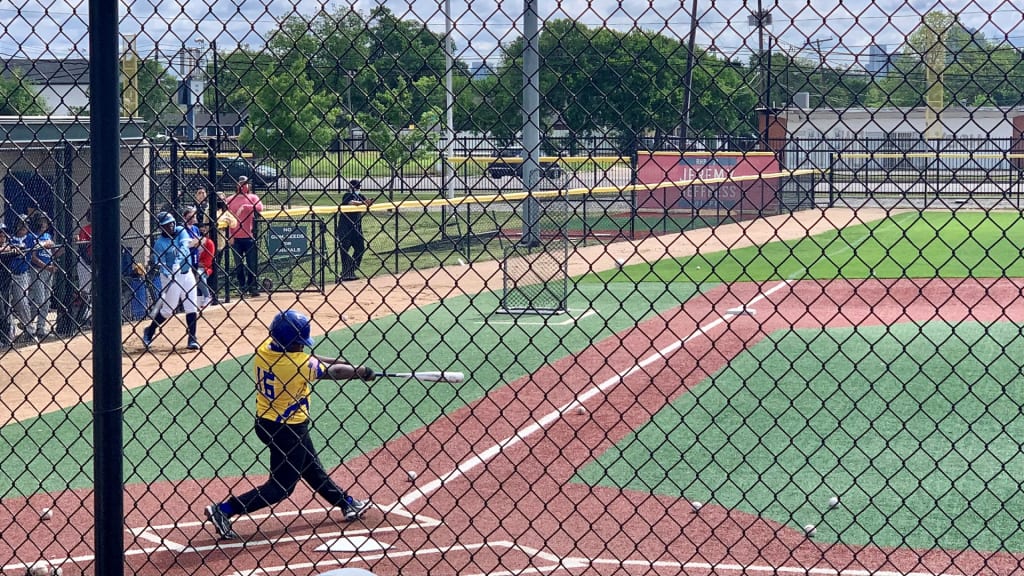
[239, 75]
[19, 98]
[287, 116]
[157, 95]
[402, 147]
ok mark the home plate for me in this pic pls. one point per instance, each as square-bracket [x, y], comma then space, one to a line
[352, 544]
[741, 310]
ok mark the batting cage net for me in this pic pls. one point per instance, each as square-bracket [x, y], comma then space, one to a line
[475, 288]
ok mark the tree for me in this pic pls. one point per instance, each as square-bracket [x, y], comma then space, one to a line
[238, 77]
[19, 98]
[157, 92]
[385, 128]
[287, 116]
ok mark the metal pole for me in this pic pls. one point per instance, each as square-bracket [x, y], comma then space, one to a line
[685, 130]
[105, 137]
[531, 122]
[449, 103]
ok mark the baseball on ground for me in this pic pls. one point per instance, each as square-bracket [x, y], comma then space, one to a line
[411, 474]
[45, 514]
[810, 530]
[44, 568]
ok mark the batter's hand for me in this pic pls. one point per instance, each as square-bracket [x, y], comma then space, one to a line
[365, 373]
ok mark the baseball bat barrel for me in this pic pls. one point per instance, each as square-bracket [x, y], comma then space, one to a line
[428, 376]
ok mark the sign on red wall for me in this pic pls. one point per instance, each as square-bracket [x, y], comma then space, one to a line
[745, 195]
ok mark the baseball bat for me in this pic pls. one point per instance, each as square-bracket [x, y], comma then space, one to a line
[450, 377]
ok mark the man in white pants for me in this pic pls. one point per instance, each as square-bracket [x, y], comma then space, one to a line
[177, 281]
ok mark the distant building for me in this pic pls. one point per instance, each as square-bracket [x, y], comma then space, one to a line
[480, 69]
[63, 84]
[879, 60]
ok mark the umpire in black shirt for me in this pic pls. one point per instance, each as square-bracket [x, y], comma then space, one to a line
[349, 231]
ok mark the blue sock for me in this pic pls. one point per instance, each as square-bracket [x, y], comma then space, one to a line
[226, 508]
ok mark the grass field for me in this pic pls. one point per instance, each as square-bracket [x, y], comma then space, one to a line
[918, 458]
[912, 245]
[917, 427]
[165, 420]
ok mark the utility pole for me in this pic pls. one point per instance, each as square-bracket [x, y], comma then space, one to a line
[762, 19]
[684, 132]
[821, 56]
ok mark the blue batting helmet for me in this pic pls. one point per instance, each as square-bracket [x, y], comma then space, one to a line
[289, 328]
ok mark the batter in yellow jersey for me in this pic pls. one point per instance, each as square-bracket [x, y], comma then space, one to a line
[284, 372]
[282, 383]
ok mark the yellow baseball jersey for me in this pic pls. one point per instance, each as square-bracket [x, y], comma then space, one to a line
[282, 384]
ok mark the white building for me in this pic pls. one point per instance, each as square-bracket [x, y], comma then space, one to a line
[63, 84]
[957, 122]
[818, 137]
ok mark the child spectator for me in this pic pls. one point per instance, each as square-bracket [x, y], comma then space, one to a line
[207, 251]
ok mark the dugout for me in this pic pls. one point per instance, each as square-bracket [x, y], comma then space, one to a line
[45, 161]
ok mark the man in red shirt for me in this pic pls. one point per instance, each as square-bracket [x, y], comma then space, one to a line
[245, 206]
[83, 244]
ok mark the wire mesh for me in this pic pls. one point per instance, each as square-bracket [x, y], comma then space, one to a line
[763, 263]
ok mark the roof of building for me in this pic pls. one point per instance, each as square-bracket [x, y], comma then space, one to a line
[48, 71]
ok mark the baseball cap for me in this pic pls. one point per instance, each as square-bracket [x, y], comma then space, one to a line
[164, 218]
[355, 183]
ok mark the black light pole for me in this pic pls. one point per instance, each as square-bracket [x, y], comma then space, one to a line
[760, 19]
[684, 131]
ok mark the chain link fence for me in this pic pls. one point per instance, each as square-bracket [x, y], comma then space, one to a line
[480, 289]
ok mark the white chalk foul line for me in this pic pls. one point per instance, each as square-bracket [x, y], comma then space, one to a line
[522, 434]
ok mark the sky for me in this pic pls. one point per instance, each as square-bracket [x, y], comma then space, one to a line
[841, 30]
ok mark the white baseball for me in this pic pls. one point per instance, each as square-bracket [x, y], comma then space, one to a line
[833, 502]
[620, 262]
[40, 568]
[45, 514]
[810, 530]
[581, 410]
[412, 475]
[697, 505]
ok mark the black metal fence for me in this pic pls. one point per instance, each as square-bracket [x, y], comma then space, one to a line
[592, 289]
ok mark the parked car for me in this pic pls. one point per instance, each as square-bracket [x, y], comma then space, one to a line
[259, 175]
[513, 167]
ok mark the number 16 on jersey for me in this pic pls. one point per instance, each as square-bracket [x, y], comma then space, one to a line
[265, 383]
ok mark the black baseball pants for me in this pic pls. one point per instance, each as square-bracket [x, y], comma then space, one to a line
[292, 457]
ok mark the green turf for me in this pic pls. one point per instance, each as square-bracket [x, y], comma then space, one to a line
[199, 424]
[910, 245]
[921, 454]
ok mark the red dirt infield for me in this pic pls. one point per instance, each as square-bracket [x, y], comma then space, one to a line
[493, 493]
